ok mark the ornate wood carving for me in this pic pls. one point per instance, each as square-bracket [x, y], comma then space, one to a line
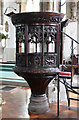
[50, 31]
[37, 17]
[36, 60]
[35, 31]
[21, 58]
[20, 33]
[50, 60]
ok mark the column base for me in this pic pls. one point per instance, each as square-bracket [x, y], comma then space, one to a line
[38, 104]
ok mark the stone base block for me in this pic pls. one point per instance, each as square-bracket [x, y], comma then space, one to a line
[38, 104]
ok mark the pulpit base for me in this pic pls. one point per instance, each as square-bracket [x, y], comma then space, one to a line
[38, 104]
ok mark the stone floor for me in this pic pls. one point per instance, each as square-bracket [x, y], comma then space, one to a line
[15, 102]
[15, 105]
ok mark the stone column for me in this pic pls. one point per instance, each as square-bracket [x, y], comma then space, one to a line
[56, 5]
[23, 5]
[71, 10]
[47, 6]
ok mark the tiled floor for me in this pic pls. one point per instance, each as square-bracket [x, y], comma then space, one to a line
[16, 106]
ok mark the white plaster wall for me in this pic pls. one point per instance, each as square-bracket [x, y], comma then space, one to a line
[9, 51]
[71, 30]
[9, 54]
